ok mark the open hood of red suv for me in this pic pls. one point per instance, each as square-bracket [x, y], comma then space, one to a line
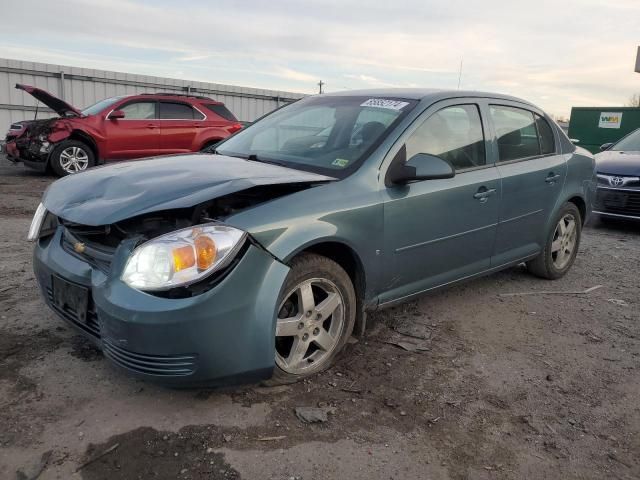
[59, 106]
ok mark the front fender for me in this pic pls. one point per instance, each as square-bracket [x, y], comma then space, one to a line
[325, 214]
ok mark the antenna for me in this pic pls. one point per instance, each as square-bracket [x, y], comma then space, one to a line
[460, 73]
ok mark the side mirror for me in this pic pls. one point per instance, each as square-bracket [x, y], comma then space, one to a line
[605, 146]
[116, 114]
[421, 166]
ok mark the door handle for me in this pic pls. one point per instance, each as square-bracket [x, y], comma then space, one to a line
[551, 178]
[483, 194]
[151, 125]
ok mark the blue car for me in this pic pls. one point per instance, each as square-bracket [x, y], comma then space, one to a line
[259, 260]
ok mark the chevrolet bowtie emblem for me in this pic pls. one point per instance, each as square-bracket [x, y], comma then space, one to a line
[79, 247]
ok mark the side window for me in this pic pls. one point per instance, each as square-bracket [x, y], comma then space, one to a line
[177, 111]
[453, 133]
[547, 141]
[139, 111]
[516, 131]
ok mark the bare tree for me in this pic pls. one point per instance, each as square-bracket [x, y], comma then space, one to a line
[634, 100]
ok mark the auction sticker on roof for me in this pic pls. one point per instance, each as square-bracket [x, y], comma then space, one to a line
[385, 103]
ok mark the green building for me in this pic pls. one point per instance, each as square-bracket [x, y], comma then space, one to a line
[590, 127]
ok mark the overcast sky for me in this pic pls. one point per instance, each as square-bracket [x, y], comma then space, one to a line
[556, 54]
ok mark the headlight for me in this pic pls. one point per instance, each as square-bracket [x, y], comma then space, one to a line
[182, 257]
[36, 223]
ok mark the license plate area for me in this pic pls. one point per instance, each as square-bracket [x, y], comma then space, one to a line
[70, 298]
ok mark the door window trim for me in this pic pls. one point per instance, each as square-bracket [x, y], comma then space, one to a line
[478, 102]
[184, 119]
[157, 102]
[127, 103]
[534, 112]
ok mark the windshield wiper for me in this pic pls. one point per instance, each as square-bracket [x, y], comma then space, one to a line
[254, 158]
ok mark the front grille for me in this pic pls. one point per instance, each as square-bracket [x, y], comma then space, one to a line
[97, 255]
[619, 202]
[89, 324]
[158, 365]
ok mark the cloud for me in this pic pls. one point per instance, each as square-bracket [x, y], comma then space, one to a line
[575, 52]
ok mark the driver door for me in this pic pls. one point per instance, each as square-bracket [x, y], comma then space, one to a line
[136, 135]
[439, 231]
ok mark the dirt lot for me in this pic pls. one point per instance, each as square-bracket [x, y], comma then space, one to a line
[540, 386]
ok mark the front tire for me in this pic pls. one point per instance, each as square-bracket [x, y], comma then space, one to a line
[71, 156]
[561, 246]
[315, 318]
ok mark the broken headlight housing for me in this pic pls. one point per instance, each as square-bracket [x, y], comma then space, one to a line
[36, 223]
[43, 224]
[182, 257]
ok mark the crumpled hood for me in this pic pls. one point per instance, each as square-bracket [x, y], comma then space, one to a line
[56, 104]
[109, 194]
[615, 162]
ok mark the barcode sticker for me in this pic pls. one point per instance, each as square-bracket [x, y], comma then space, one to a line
[385, 103]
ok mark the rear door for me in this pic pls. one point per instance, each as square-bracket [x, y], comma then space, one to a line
[136, 135]
[439, 231]
[532, 172]
[179, 124]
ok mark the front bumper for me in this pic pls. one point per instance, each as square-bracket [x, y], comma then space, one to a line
[617, 202]
[28, 153]
[225, 335]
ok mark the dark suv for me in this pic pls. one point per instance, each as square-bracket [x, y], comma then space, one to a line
[117, 128]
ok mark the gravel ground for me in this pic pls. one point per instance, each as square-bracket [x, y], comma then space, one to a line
[539, 386]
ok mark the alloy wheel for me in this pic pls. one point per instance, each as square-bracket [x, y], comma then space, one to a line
[564, 241]
[74, 160]
[310, 320]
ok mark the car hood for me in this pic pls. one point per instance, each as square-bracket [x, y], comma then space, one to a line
[109, 194]
[59, 106]
[616, 162]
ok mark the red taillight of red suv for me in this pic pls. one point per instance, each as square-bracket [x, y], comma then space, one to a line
[234, 128]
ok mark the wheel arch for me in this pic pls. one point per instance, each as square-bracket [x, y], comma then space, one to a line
[209, 142]
[579, 202]
[84, 137]
[345, 256]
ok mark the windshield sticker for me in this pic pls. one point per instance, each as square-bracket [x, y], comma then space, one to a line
[340, 162]
[385, 103]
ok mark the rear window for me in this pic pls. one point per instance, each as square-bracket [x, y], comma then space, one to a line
[221, 111]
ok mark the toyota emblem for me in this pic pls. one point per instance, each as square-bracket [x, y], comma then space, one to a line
[616, 181]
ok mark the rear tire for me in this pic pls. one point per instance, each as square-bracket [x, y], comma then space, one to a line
[561, 246]
[71, 156]
[315, 318]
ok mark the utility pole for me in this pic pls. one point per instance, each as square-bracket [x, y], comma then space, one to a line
[320, 84]
[460, 73]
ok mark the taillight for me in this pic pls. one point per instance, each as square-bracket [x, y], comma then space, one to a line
[235, 127]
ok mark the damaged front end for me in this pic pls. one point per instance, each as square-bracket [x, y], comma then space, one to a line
[98, 245]
[34, 144]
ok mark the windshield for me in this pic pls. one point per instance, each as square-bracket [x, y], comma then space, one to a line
[630, 143]
[323, 134]
[101, 105]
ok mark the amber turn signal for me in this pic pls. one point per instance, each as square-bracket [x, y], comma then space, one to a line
[206, 251]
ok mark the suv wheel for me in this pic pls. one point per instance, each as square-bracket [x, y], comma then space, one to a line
[71, 156]
[562, 245]
[316, 315]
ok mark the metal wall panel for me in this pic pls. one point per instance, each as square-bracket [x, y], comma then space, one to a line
[82, 87]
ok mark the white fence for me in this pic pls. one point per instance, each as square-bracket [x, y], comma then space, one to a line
[82, 87]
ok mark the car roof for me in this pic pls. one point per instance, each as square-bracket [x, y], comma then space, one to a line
[173, 96]
[433, 94]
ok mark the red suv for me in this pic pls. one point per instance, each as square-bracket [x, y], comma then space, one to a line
[117, 128]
